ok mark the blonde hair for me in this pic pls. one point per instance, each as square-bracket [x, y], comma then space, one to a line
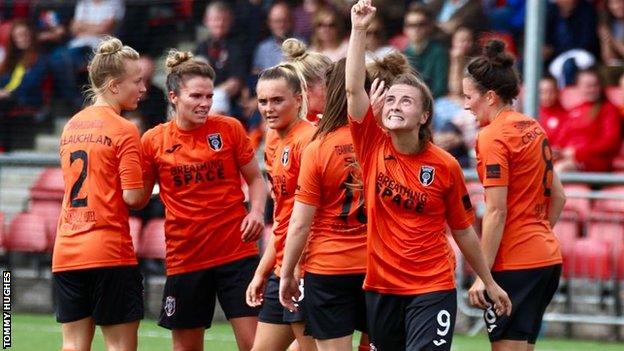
[312, 65]
[107, 64]
[294, 79]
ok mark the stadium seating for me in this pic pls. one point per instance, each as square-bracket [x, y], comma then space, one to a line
[611, 205]
[576, 207]
[589, 258]
[27, 233]
[49, 185]
[50, 212]
[567, 230]
[152, 241]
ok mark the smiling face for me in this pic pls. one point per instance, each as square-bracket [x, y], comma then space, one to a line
[129, 89]
[277, 103]
[193, 101]
[403, 110]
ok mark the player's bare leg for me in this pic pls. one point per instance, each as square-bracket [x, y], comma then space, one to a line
[78, 335]
[121, 337]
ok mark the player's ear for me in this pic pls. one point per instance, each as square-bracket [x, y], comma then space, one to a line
[173, 98]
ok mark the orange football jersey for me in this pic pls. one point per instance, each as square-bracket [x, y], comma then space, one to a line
[100, 157]
[410, 199]
[198, 173]
[513, 151]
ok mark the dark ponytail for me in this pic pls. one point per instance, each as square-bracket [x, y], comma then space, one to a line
[494, 70]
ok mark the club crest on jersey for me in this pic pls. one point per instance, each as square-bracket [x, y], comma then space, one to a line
[215, 142]
[426, 175]
[286, 155]
[170, 306]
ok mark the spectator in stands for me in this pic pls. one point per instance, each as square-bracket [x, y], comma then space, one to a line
[552, 116]
[377, 40]
[329, 34]
[93, 19]
[22, 71]
[455, 129]
[451, 14]
[269, 51]
[51, 20]
[152, 109]
[303, 15]
[224, 54]
[506, 16]
[591, 137]
[571, 42]
[611, 33]
[427, 56]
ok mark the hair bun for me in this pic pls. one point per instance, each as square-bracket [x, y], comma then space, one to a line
[176, 57]
[293, 49]
[496, 54]
[109, 46]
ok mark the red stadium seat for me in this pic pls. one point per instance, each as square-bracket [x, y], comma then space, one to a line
[610, 232]
[611, 205]
[567, 232]
[570, 97]
[589, 258]
[49, 186]
[27, 233]
[576, 207]
[152, 243]
[136, 225]
[50, 211]
[615, 95]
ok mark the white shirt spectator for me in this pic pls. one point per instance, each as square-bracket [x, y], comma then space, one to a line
[94, 12]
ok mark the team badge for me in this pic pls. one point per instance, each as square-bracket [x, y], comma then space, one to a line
[170, 306]
[215, 142]
[426, 175]
[286, 155]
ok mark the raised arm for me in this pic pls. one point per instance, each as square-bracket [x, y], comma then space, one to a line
[358, 102]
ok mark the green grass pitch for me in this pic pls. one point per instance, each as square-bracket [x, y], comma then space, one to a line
[42, 333]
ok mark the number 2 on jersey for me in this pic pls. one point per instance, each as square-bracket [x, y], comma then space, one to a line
[74, 201]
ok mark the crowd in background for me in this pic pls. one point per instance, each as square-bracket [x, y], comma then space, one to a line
[45, 46]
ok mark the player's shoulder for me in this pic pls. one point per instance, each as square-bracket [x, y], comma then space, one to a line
[156, 132]
[227, 122]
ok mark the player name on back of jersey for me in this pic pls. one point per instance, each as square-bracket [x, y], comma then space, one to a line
[196, 173]
[86, 138]
[400, 195]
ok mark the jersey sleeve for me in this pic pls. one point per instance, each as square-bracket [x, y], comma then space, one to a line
[244, 149]
[494, 155]
[129, 155]
[148, 156]
[309, 181]
[459, 211]
[366, 134]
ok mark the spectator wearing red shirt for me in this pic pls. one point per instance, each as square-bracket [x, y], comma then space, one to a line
[552, 115]
[591, 136]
